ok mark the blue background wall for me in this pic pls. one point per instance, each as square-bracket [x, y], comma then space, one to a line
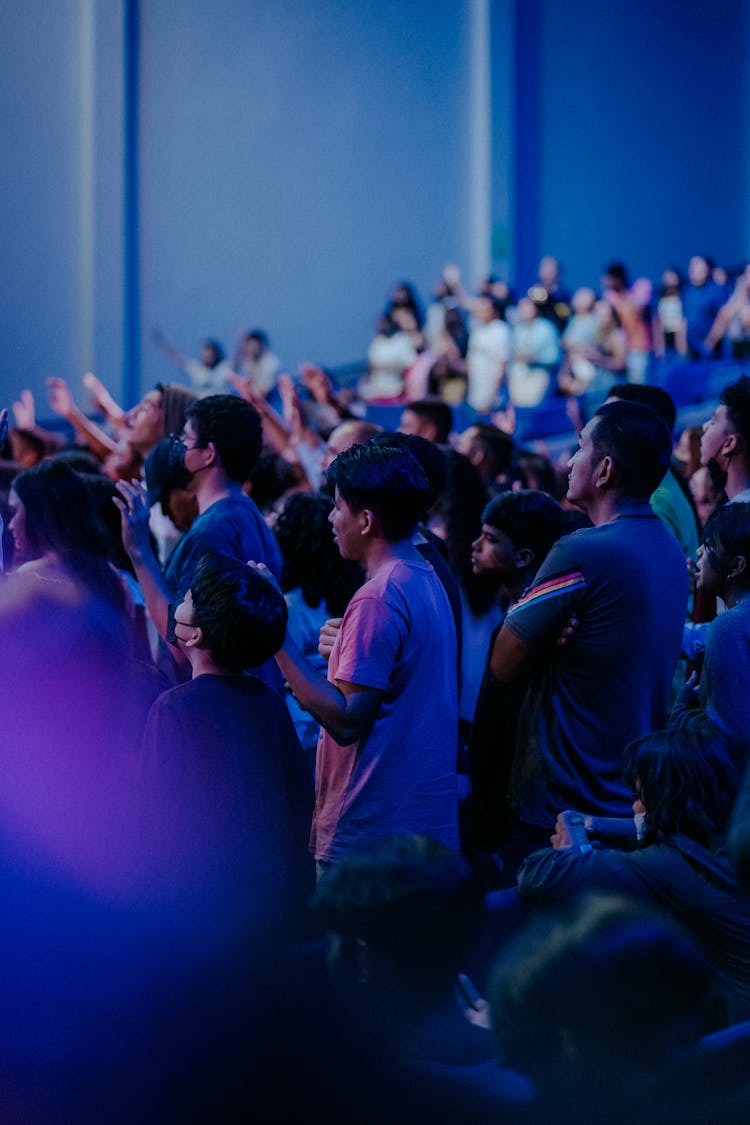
[295, 159]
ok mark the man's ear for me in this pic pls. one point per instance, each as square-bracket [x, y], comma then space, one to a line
[209, 454]
[737, 567]
[731, 444]
[606, 472]
[523, 557]
[197, 638]
[367, 518]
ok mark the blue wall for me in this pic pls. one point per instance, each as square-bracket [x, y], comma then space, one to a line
[295, 159]
[632, 130]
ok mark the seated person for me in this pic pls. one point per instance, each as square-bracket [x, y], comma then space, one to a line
[400, 917]
[684, 788]
[222, 771]
[594, 1004]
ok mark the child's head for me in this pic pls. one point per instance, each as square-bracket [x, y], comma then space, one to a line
[233, 612]
[724, 555]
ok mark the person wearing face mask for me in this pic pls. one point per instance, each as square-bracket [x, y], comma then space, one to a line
[214, 455]
[221, 768]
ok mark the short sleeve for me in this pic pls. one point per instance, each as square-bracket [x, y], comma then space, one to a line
[554, 597]
[371, 642]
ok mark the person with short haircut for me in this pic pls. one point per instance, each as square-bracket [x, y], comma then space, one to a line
[215, 454]
[428, 418]
[490, 450]
[725, 445]
[386, 761]
[626, 582]
[222, 772]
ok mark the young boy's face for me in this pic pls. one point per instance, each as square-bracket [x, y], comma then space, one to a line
[492, 551]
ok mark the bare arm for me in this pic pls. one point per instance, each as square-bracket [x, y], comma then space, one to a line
[86, 431]
[511, 657]
[347, 711]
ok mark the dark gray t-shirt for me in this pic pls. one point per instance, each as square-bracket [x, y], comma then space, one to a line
[626, 582]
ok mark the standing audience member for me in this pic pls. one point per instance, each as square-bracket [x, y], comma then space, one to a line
[725, 444]
[217, 450]
[626, 582]
[387, 756]
[222, 772]
[490, 350]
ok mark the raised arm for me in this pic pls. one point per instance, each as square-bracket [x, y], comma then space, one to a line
[86, 431]
[134, 512]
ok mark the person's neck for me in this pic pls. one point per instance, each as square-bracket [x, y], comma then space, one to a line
[733, 595]
[212, 486]
[738, 478]
[382, 552]
[607, 506]
[202, 663]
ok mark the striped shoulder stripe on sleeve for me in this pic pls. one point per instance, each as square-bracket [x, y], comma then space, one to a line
[563, 584]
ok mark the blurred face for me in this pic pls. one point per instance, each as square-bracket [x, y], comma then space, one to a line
[583, 466]
[603, 311]
[583, 300]
[17, 525]
[208, 356]
[670, 279]
[526, 310]
[341, 439]
[493, 551]
[715, 433]
[549, 272]
[703, 493]
[485, 310]
[346, 526]
[146, 422]
[698, 270]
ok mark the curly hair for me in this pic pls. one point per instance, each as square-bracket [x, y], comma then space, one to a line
[311, 559]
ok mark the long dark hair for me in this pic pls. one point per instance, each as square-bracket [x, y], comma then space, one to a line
[60, 518]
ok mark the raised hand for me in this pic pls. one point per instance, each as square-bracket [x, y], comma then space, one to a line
[24, 411]
[134, 512]
[59, 397]
[102, 398]
[316, 381]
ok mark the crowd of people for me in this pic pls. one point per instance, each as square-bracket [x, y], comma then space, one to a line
[357, 773]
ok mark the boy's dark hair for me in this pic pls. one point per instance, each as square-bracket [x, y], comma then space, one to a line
[638, 441]
[687, 782]
[216, 348]
[390, 482]
[259, 335]
[432, 459]
[530, 519]
[414, 902]
[234, 427]
[727, 535]
[656, 398]
[736, 398]
[436, 411]
[242, 615]
[497, 446]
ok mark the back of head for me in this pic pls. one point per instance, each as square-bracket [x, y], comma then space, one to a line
[687, 782]
[414, 902]
[638, 442]
[530, 519]
[435, 412]
[312, 562]
[657, 398]
[234, 427]
[59, 515]
[736, 398]
[727, 536]
[497, 446]
[580, 1002]
[387, 481]
[242, 615]
[426, 453]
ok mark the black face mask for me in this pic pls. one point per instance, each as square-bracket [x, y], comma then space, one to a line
[179, 476]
